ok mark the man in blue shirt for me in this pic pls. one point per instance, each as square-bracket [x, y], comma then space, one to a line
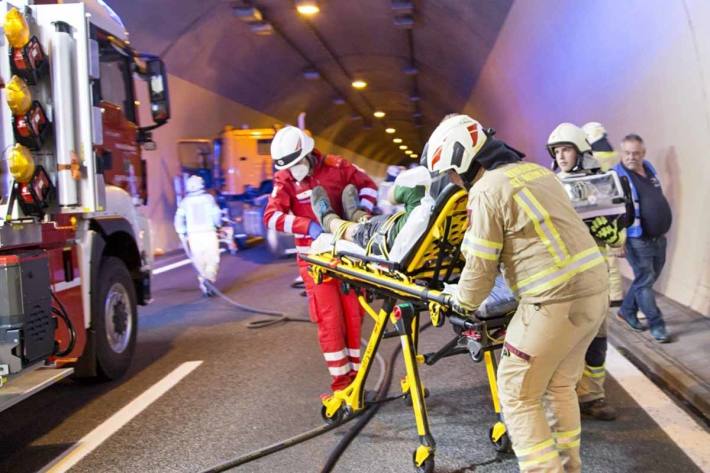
[646, 242]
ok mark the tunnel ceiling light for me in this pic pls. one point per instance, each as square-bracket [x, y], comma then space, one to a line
[397, 140]
[403, 147]
[379, 114]
[405, 22]
[410, 70]
[414, 155]
[390, 130]
[307, 7]
[262, 28]
[414, 97]
[359, 84]
[417, 114]
[401, 7]
[311, 74]
[408, 151]
[248, 14]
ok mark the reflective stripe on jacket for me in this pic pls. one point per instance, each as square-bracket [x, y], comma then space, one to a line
[521, 218]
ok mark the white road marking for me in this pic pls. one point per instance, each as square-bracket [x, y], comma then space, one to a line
[169, 267]
[690, 437]
[97, 436]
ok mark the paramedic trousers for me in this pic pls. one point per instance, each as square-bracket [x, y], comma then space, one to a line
[339, 318]
[204, 249]
[543, 357]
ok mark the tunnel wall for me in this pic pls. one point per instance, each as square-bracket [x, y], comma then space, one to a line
[200, 113]
[636, 66]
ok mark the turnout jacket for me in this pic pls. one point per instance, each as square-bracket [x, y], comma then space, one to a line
[521, 218]
[289, 208]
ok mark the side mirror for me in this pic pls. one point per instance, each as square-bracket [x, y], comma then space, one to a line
[158, 89]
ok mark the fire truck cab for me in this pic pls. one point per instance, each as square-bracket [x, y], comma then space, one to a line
[75, 250]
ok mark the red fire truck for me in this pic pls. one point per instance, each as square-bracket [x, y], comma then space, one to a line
[75, 252]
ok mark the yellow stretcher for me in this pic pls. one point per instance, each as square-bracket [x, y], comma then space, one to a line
[406, 289]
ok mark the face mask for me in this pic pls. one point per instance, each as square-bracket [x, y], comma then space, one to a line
[300, 171]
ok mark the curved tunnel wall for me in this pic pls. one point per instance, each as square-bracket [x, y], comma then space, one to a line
[636, 66]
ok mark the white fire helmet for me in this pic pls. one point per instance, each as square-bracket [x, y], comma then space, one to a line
[595, 131]
[290, 146]
[568, 134]
[194, 184]
[454, 144]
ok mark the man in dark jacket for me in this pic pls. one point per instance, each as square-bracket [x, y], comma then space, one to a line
[646, 242]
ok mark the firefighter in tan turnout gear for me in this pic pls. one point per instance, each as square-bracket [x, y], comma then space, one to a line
[572, 155]
[522, 221]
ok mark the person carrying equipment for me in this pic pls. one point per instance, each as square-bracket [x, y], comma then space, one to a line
[521, 219]
[300, 169]
[379, 235]
[196, 222]
[572, 156]
[608, 158]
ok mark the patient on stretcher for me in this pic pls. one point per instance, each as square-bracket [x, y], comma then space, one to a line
[386, 236]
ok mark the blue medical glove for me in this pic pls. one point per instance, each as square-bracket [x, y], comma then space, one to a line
[314, 230]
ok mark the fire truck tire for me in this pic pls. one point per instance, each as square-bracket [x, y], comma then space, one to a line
[115, 322]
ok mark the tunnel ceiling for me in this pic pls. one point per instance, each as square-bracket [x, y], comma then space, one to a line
[205, 43]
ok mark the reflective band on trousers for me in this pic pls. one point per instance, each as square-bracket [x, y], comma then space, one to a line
[568, 439]
[556, 275]
[334, 355]
[339, 370]
[481, 248]
[539, 453]
[594, 371]
[543, 224]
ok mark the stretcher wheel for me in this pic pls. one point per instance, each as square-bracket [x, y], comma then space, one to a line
[427, 465]
[337, 417]
[503, 444]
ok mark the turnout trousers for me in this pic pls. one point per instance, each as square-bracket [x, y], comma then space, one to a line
[543, 357]
[339, 319]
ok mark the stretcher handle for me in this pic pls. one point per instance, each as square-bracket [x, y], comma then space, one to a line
[461, 322]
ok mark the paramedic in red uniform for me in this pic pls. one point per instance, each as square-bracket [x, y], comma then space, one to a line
[300, 168]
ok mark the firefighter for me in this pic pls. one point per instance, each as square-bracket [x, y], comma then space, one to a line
[572, 153]
[196, 222]
[301, 167]
[608, 158]
[523, 221]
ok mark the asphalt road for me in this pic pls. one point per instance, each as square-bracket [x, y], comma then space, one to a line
[256, 387]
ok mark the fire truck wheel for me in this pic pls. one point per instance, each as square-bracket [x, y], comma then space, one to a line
[115, 321]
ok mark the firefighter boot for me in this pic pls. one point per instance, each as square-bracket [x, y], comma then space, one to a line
[322, 208]
[598, 409]
[351, 204]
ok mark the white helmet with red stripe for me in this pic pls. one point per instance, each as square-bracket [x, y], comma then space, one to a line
[454, 144]
[289, 146]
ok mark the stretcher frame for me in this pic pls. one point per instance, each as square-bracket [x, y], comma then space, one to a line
[406, 289]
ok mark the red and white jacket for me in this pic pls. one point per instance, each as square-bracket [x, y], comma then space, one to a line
[289, 208]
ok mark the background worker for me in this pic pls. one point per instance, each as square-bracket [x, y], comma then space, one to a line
[196, 222]
[301, 167]
[604, 153]
[571, 153]
[646, 243]
[522, 220]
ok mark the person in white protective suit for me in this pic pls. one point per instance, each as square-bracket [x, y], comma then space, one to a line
[196, 222]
